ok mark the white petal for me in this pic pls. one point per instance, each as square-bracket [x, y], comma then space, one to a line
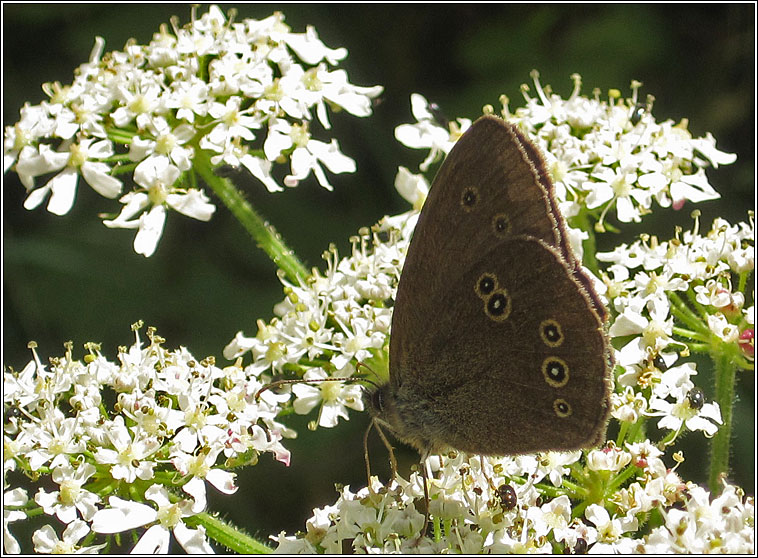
[63, 186]
[310, 49]
[330, 154]
[193, 204]
[100, 150]
[150, 231]
[712, 411]
[420, 107]
[321, 177]
[699, 423]
[693, 187]
[140, 148]
[196, 488]
[633, 352]
[628, 323]
[421, 136]
[154, 541]
[76, 531]
[626, 211]
[98, 176]
[275, 143]
[192, 540]
[597, 515]
[44, 539]
[354, 103]
[36, 197]
[323, 116]
[123, 515]
[670, 422]
[301, 162]
[222, 480]
[135, 203]
[261, 169]
[599, 193]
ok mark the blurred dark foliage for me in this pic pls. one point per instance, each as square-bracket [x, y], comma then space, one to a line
[69, 278]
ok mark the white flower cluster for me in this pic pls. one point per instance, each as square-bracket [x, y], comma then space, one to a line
[496, 505]
[151, 418]
[382, 520]
[211, 93]
[159, 419]
[335, 320]
[599, 154]
[648, 283]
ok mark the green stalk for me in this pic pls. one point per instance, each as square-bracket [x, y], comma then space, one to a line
[265, 235]
[589, 245]
[227, 535]
[725, 371]
[685, 314]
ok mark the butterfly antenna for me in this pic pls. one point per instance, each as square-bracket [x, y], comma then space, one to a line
[313, 381]
[367, 367]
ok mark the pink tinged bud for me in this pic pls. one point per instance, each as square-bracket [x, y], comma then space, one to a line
[747, 343]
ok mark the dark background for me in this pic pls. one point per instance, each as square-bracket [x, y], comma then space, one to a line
[70, 278]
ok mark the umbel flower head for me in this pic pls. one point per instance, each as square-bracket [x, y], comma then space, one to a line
[620, 497]
[131, 443]
[248, 94]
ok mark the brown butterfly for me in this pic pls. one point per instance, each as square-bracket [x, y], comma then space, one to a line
[498, 342]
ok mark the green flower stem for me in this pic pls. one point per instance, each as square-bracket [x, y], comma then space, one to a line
[622, 433]
[725, 371]
[742, 282]
[699, 347]
[590, 248]
[685, 314]
[634, 433]
[620, 479]
[227, 535]
[688, 333]
[575, 490]
[699, 309]
[264, 234]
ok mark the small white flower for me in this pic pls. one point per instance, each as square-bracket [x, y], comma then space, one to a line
[608, 459]
[609, 531]
[307, 153]
[628, 406]
[718, 324]
[654, 332]
[334, 398]
[77, 159]
[681, 413]
[46, 541]
[158, 176]
[71, 497]
[164, 142]
[426, 133]
[201, 468]
[130, 453]
[59, 438]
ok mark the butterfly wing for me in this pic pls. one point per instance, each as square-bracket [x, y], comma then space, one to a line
[486, 186]
[521, 368]
[489, 223]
